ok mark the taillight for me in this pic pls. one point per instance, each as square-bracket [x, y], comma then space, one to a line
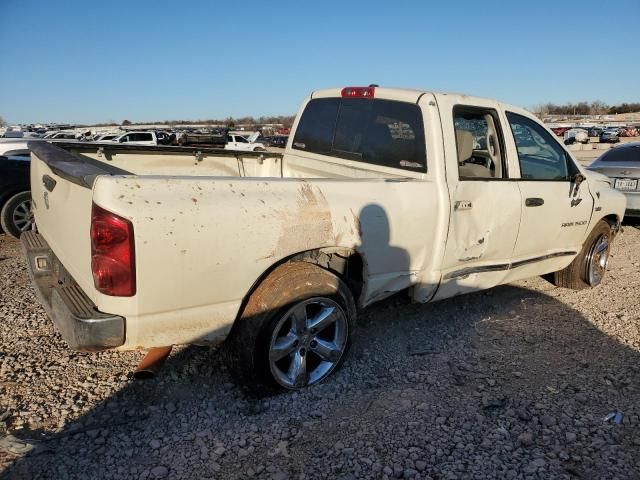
[112, 253]
[358, 92]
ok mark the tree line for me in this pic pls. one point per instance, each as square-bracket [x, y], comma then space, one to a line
[286, 120]
[585, 108]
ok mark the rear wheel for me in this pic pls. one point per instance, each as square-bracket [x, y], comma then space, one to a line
[294, 331]
[589, 267]
[16, 216]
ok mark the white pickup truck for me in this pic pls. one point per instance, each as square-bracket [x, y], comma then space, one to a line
[379, 190]
[141, 138]
[238, 142]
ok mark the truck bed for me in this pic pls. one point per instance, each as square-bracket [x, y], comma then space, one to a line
[140, 160]
[203, 215]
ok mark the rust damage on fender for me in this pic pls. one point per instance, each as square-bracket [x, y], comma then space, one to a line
[309, 226]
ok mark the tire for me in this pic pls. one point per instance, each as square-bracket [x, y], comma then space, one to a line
[265, 351]
[16, 216]
[589, 267]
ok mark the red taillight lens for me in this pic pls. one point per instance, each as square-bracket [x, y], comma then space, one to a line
[112, 253]
[358, 92]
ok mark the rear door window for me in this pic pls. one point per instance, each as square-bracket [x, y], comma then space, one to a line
[381, 132]
[143, 137]
[479, 143]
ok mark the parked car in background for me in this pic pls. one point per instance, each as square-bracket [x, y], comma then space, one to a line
[609, 136]
[628, 132]
[279, 141]
[576, 135]
[15, 195]
[595, 131]
[622, 166]
[138, 138]
[191, 138]
[62, 136]
[107, 137]
[13, 134]
[238, 142]
[14, 147]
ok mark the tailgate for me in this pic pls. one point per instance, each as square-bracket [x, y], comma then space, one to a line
[61, 188]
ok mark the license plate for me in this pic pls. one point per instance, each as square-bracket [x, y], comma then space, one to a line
[626, 184]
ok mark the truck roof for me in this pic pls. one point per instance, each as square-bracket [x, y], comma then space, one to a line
[413, 95]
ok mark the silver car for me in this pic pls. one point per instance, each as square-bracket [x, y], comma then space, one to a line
[622, 166]
[609, 136]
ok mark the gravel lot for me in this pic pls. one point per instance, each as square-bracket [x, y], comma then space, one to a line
[510, 383]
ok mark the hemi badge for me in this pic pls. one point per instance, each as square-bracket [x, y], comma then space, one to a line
[462, 205]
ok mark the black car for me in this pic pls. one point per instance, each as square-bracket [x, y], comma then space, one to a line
[595, 131]
[15, 195]
[278, 141]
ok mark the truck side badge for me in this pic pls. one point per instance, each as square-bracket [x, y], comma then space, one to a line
[462, 205]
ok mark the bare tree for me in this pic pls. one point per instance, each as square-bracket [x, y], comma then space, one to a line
[3, 123]
[598, 107]
[540, 110]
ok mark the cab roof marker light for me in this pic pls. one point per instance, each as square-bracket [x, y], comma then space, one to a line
[358, 92]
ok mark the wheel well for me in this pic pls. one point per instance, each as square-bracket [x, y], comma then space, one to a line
[611, 219]
[343, 262]
[346, 263]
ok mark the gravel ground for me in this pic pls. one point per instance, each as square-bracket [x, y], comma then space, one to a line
[511, 383]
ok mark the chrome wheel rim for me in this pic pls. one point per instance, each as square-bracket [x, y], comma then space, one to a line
[598, 260]
[22, 217]
[308, 342]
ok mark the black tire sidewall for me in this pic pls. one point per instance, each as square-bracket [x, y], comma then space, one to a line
[6, 215]
[284, 287]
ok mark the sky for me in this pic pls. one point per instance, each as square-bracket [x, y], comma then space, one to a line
[88, 61]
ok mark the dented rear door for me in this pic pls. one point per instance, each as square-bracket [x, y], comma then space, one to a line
[484, 212]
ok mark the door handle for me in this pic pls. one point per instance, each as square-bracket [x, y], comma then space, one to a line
[533, 202]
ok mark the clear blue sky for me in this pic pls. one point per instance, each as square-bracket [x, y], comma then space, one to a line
[89, 61]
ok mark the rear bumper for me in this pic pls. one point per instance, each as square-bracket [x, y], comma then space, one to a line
[82, 326]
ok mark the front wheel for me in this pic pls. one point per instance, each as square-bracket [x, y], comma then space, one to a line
[16, 216]
[589, 267]
[294, 331]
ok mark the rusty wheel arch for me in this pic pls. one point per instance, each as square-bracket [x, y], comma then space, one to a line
[614, 222]
[346, 263]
